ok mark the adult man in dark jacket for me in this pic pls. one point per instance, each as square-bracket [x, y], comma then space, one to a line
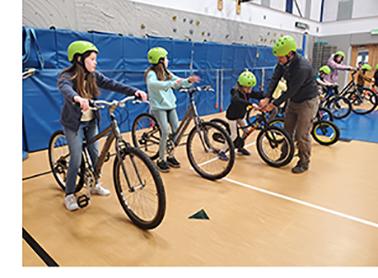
[301, 94]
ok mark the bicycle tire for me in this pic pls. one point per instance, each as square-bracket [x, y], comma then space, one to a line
[134, 216]
[353, 96]
[286, 139]
[321, 126]
[205, 126]
[149, 138]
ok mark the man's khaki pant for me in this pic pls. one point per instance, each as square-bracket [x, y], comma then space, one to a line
[298, 122]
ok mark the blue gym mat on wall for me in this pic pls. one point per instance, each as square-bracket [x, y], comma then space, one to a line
[124, 59]
[359, 127]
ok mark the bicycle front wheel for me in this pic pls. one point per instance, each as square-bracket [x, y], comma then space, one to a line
[339, 106]
[275, 146]
[139, 188]
[146, 134]
[210, 151]
[325, 132]
[59, 160]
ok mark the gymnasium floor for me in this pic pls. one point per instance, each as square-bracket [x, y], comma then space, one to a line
[259, 216]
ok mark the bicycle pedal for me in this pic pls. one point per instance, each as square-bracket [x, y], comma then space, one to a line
[83, 201]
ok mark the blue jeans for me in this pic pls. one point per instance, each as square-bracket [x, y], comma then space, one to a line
[165, 117]
[75, 145]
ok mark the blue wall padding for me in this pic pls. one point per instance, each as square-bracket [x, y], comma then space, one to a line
[124, 59]
[112, 51]
[135, 51]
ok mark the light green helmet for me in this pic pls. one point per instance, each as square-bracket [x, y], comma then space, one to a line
[325, 69]
[340, 53]
[366, 67]
[155, 54]
[247, 79]
[80, 47]
[284, 45]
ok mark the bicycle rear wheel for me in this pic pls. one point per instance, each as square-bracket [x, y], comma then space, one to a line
[146, 134]
[139, 188]
[363, 102]
[275, 146]
[59, 158]
[212, 157]
[325, 132]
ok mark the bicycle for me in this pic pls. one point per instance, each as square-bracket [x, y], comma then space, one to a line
[209, 158]
[274, 144]
[137, 182]
[363, 99]
[324, 131]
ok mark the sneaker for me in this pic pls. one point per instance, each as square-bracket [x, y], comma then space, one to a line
[70, 202]
[172, 162]
[99, 190]
[162, 166]
[299, 168]
[222, 156]
[243, 151]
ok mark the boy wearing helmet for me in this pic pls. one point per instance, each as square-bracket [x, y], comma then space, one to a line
[79, 83]
[362, 76]
[324, 85]
[335, 64]
[238, 107]
[160, 82]
[301, 94]
[376, 76]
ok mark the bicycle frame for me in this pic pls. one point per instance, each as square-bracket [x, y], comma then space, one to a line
[113, 133]
[190, 114]
[250, 128]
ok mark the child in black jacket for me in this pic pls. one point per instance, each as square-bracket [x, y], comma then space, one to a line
[237, 109]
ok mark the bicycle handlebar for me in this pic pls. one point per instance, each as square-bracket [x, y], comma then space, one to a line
[101, 104]
[197, 89]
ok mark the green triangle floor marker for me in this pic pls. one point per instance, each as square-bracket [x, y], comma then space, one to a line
[200, 215]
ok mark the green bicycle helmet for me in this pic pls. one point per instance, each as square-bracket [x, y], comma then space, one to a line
[155, 54]
[340, 53]
[325, 69]
[247, 79]
[284, 45]
[366, 67]
[80, 47]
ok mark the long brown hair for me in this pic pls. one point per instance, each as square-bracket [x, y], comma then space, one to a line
[161, 73]
[84, 83]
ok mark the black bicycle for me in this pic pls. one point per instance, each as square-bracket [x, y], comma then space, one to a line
[363, 99]
[210, 158]
[137, 182]
[273, 143]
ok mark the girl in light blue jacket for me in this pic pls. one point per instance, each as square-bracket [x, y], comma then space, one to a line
[160, 83]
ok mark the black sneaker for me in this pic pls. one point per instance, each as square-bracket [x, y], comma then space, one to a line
[163, 166]
[172, 162]
[299, 168]
[243, 151]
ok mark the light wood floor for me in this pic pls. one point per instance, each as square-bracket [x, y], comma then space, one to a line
[259, 216]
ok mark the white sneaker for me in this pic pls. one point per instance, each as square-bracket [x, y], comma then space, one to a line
[70, 202]
[99, 190]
